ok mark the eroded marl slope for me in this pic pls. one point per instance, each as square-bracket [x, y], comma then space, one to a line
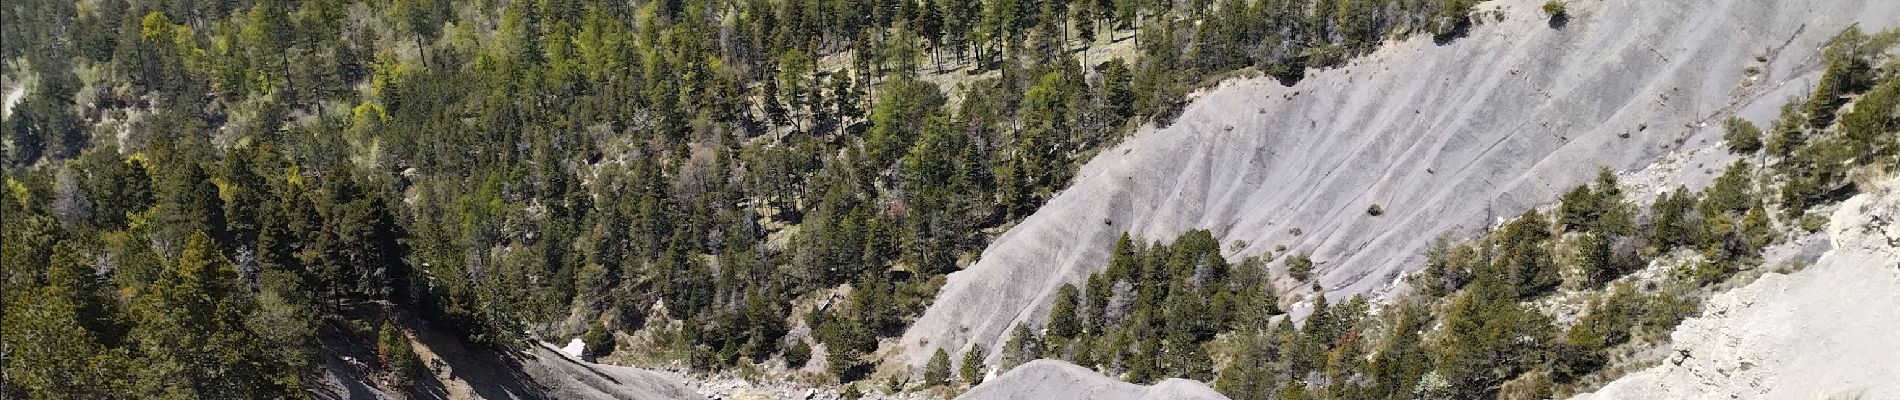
[1058, 380]
[1504, 119]
[458, 372]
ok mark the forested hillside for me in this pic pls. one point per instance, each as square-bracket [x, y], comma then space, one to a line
[198, 191]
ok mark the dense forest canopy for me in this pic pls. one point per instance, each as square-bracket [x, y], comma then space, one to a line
[200, 195]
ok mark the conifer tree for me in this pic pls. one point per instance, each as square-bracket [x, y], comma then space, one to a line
[1023, 346]
[971, 370]
[1063, 322]
[937, 371]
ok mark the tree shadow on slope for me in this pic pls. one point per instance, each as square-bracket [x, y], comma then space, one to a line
[1451, 30]
[351, 382]
[490, 373]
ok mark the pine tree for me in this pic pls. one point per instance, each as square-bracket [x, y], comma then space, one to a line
[1844, 76]
[247, 190]
[1672, 223]
[1023, 346]
[1252, 375]
[599, 341]
[937, 371]
[397, 357]
[1579, 209]
[188, 202]
[1401, 361]
[192, 331]
[1757, 231]
[1094, 315]
[1524, 258]
[1145, 365]
[1063, 322]
[1732, 192]
[971, 370]
[50, 354]
[1489, 338]
[1614, 216]
[118, 187]
[1593, 259]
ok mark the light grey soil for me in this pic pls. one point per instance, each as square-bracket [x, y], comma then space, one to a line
[1057, 380]
[458, 372]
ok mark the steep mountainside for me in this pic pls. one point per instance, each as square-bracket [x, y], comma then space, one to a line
[1824, 331]
[1438, 136]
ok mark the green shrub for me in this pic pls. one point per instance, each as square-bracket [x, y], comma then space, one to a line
[600, 341]
[1664, 311]
[1452, 21]
[1713, 272]
[1813, 222]
[937, 371]
[1556, 9]
[797, 355]
[1300, 267]
[1742, 136]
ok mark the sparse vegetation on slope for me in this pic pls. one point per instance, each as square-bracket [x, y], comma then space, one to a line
[1474, 327]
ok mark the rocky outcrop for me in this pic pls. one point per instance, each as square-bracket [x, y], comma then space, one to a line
[1438, 136]
[1826, 331]
[456, 371]
[565, 377]
[1057, 380]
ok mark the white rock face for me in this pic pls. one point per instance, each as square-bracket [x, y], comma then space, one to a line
[1827, 331]
[12, 97]
[575, 348]
[1506, 118]
[1057, 380]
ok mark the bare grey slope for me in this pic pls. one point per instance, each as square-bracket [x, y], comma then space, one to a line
[539, 372]
[1057, 380]
[1503, 119]
[1823, 332]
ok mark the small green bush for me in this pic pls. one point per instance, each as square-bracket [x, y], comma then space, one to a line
[1300, 267]
[1813, 222]
[798, 355]
[1556, 9]
[1452, 21]
[1742, 136]
[1713, 272]
[937, 371]
[599, 341]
